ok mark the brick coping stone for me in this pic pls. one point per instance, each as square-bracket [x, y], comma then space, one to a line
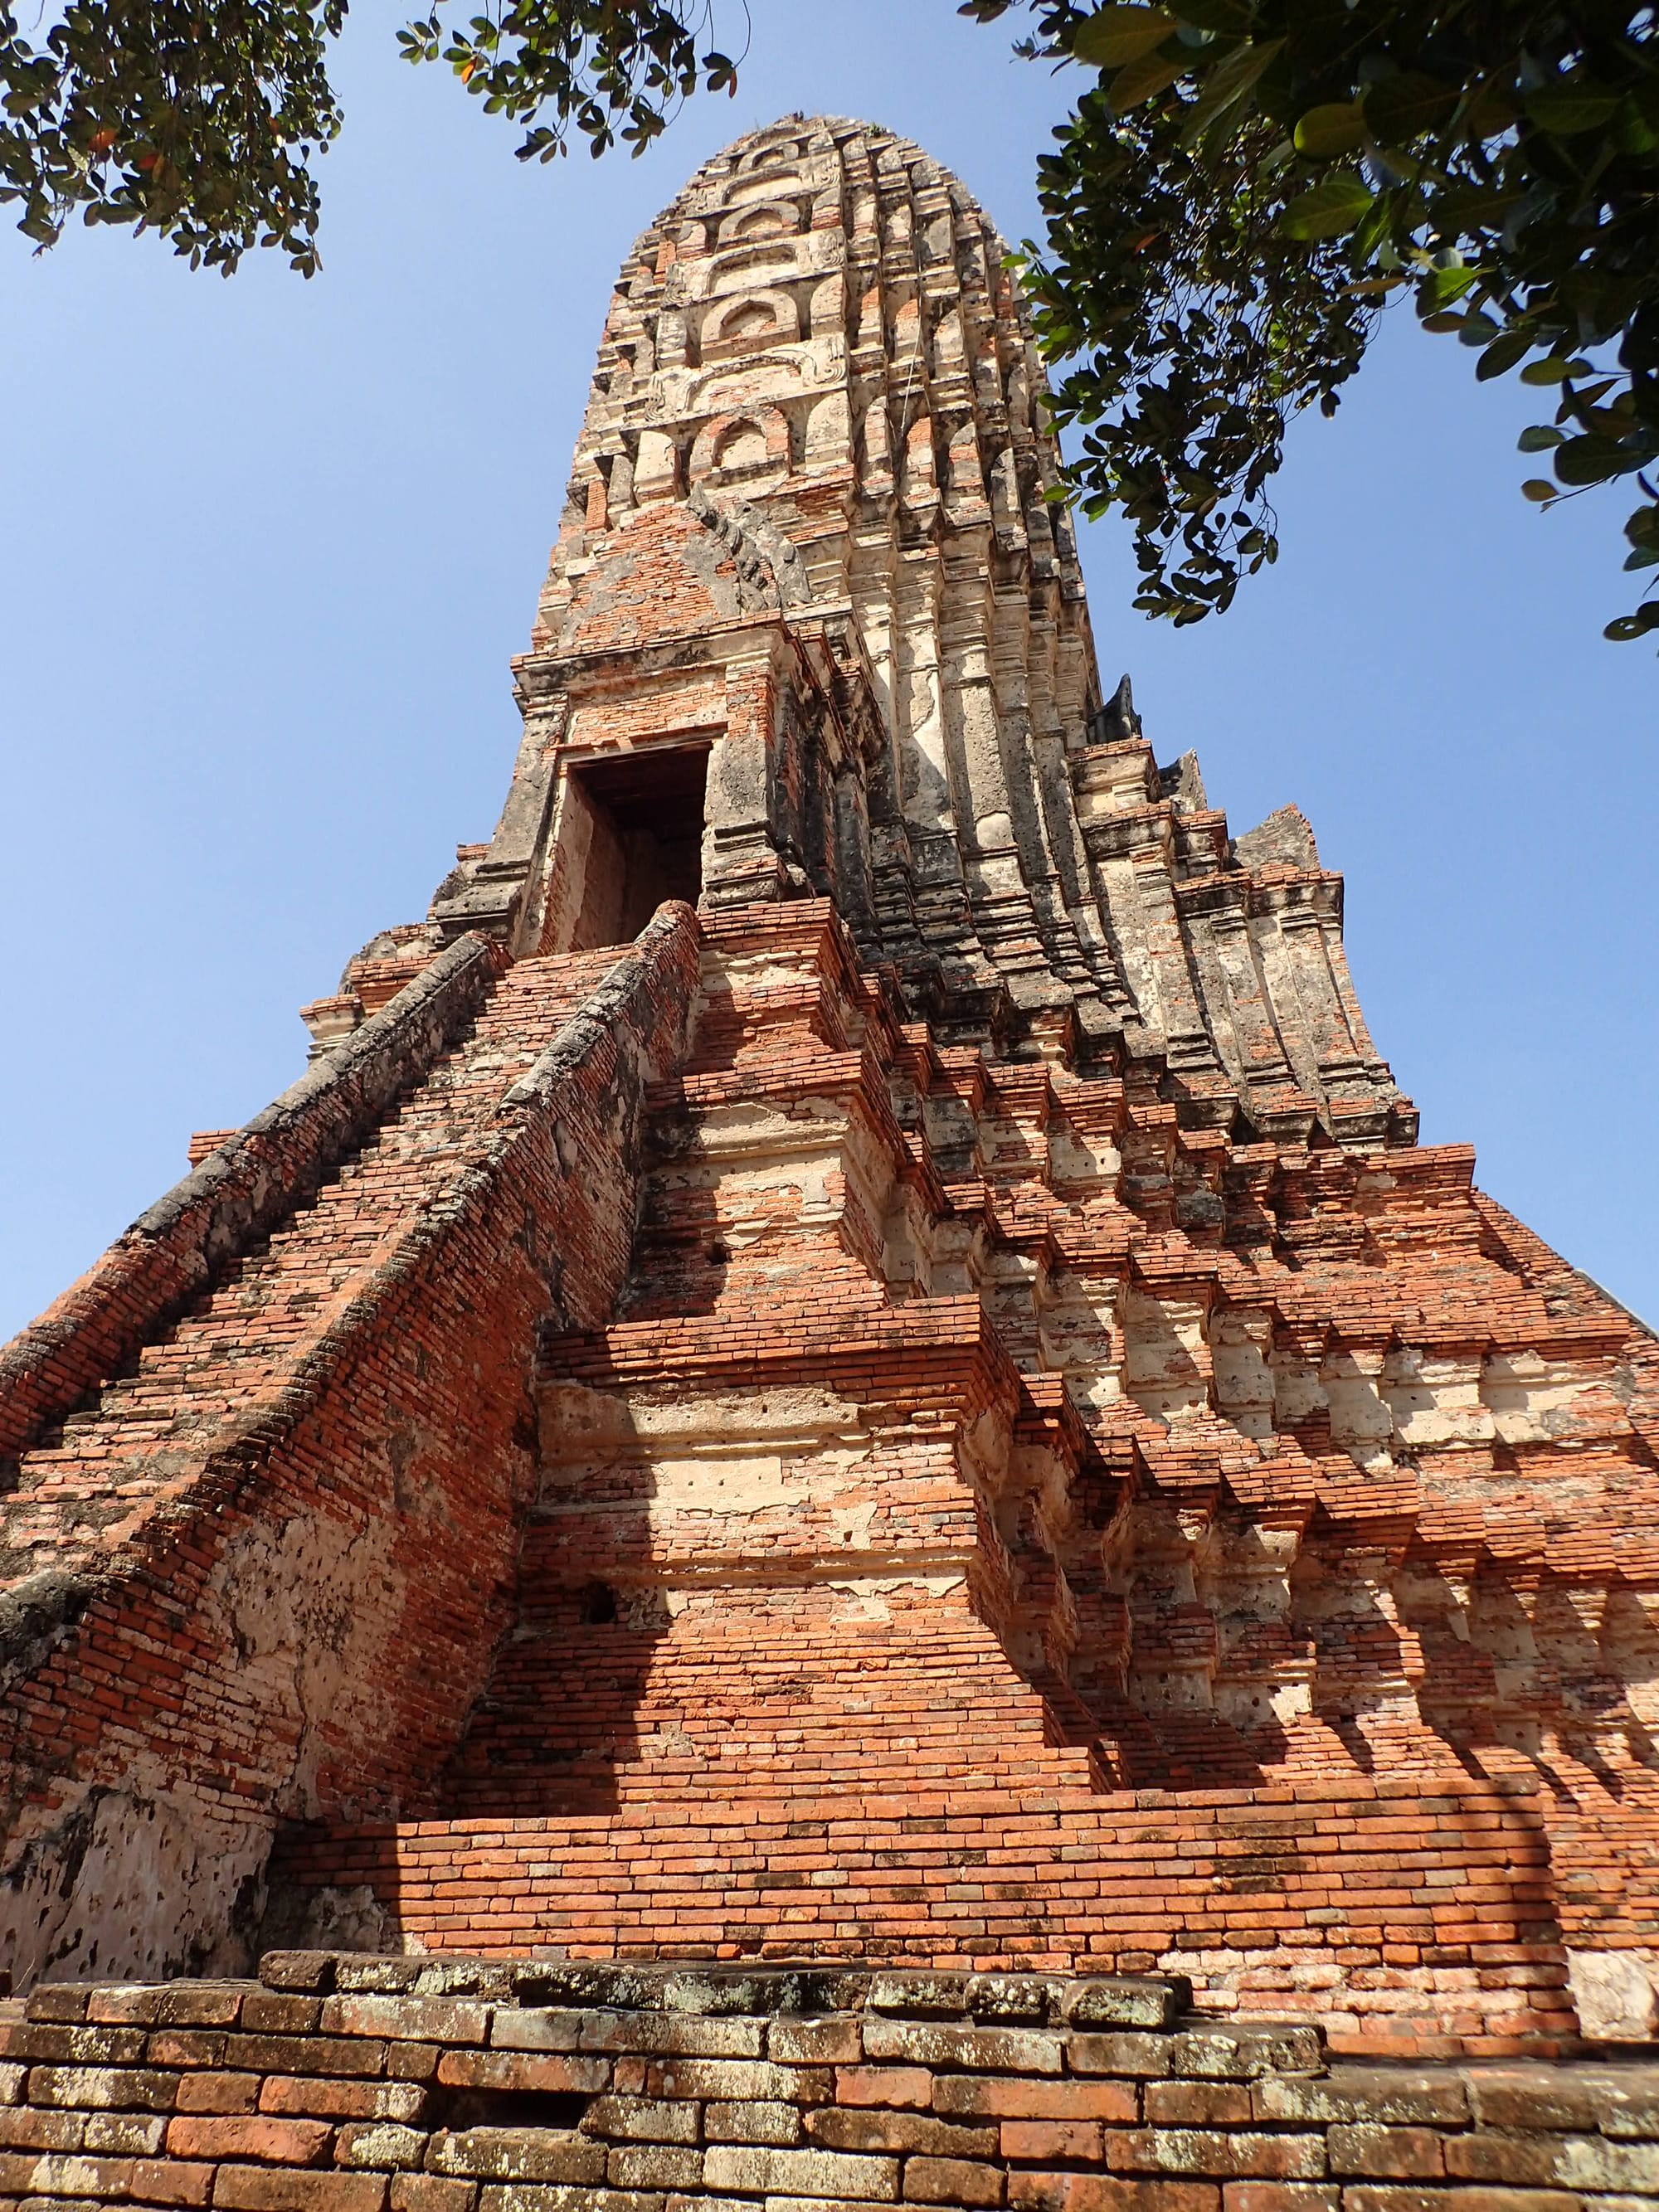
[345, 2082]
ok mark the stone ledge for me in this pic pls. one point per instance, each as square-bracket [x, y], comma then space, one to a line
[355, 2083]
[1148, 2001]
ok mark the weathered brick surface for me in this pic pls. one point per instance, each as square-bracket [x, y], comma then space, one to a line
[1023, 2128]
[746, 1738]
[318, 1473]
[933, 1416]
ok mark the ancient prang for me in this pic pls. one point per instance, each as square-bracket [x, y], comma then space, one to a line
[836, 1512]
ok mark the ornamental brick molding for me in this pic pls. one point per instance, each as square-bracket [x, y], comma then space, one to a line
[846, 1366]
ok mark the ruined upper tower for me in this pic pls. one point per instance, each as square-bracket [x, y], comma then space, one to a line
[847, 1353]
[810, 539]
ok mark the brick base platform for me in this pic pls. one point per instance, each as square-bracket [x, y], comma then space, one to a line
[348, 2083]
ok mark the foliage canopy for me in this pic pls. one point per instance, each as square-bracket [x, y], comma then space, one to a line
[1232, 200]
[1248, 182]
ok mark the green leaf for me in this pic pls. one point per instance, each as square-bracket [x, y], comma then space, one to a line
[1501, 355]
[1470, 208]
[1565, 109]
[1555, 370]
[1490, 111]
[1153, 73]
[1589, 460]
[1400, 108]
[1634, 133]
[1327, 209]
[1630, 627]
[1538, 437]
[1339, 128]
[1541, 489]
[1113, 36]
[1370, 237]
[1228, 83]
[1443, 286]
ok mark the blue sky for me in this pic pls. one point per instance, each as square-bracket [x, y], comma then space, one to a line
[269, 545]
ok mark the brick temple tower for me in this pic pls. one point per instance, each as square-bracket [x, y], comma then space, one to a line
[848, 1355]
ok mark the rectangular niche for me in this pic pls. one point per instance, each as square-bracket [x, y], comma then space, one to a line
[633, 827]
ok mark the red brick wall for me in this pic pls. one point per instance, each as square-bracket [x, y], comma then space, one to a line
[390, 2085]
[762, 1779]
[295, 1582]
[717, 1727]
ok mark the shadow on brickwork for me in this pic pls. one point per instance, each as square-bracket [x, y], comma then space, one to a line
[547, 1739]
[561, 1717]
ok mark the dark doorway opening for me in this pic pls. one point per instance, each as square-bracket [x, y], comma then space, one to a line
[645, 812]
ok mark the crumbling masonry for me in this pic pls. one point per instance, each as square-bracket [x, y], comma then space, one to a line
[845, 1367]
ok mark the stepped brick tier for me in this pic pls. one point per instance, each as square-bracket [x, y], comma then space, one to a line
[848, 1356]
[388, 2085]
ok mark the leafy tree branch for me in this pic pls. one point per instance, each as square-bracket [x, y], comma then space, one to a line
[200, 120]
[1249, 180]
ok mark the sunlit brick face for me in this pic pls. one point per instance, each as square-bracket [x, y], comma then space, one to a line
[848, 1354]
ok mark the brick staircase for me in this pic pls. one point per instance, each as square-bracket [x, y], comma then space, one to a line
[225, 1362]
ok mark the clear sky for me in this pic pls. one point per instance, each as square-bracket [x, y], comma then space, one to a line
[268, 545]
